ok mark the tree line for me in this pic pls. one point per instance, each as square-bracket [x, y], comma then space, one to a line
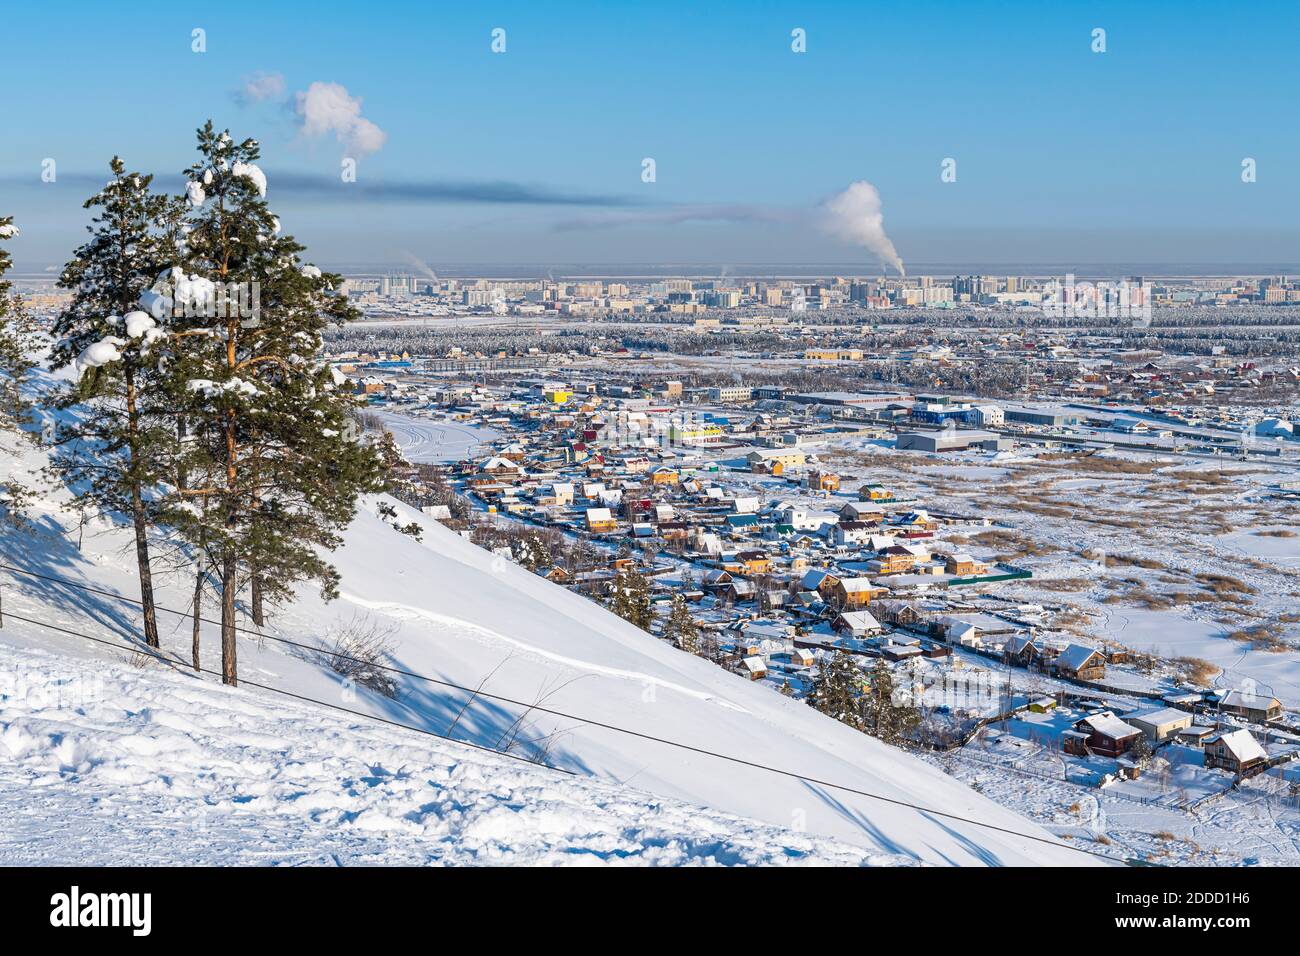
[195, 403]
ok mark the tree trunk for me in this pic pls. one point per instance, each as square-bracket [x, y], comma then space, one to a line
[138, 520]
[229, 671]
[259, 618]
[146, 576]
[198, 601]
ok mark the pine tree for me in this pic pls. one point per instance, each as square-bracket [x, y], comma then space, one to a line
[680, 628]
[271, 438]
[884, 714]
[630, 598]
[120, 446]
[1142, 753]
[641, 610]
[17, 342]
[391, 456]
[836, 688]
[619, 601]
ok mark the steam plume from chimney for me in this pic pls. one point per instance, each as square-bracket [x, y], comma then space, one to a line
[854, 215]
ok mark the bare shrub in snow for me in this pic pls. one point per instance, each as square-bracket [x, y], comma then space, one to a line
[358, 652]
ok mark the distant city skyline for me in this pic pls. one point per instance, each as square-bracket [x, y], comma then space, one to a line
[1064, 156]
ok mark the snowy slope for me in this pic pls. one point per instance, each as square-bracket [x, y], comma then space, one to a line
[116, 765]
[463, 616]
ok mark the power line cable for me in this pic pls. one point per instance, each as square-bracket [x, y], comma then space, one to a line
[312, 700]
[558, 713]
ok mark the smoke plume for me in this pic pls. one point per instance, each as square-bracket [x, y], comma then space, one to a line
[854, 216]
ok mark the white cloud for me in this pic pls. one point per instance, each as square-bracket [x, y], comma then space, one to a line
[328, 108]
[855, 216]
[262, 86]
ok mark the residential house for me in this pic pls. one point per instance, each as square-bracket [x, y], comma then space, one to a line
[823, 481]
[500, 469]
[600, 519]
[1162, 723]
[801, 519]
[1252, 706]
[855, 592]
[1081, 663]
[857, 624]
[856, 511]
[768, 457]
[738, 591]
[899, 612]
[664, 475]
[715, 579]
[917, 521]
[821, 581]
[674, 530]
[1022, 650]
[900, 652]
[847, 533]
[1236, 751]
[963, 565]
[898, 559]
[874, 492]
[1102, 733]
[753, 562]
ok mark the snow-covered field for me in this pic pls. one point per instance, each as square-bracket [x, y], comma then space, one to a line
[1178, 557]
[425, 441]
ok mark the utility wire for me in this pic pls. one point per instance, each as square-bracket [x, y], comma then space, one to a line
[311, 700]
[558, 713]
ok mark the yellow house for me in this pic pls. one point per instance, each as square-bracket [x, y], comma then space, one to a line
[786, 459]
[823, 481]
[557, 396]
[754, 562]
[874, 493]
[695, 435]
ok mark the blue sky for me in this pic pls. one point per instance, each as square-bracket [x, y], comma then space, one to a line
[1063, 155]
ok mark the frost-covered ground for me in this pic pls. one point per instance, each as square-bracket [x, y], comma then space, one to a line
[1187, 816]
[426, 440]
[166, 766]
[110, 763]
[1169, 555]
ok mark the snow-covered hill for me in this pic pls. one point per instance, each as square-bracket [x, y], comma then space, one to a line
[127, 775]
[123, 766]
